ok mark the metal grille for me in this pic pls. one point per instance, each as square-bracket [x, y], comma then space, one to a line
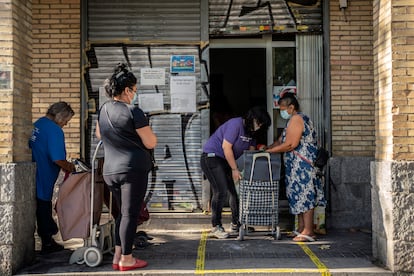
[310, 80]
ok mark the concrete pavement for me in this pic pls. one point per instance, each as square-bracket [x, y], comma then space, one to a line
[180, 246]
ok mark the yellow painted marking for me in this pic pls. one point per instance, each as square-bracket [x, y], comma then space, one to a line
[201, 253]
[321, 266]
[257, 270]
[200, 263]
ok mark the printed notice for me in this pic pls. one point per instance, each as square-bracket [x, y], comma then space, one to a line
[151, 102]
[5, 78]
[183, 94]
[153, 76]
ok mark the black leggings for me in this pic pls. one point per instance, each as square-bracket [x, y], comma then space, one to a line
[218, 173]
[128, 190]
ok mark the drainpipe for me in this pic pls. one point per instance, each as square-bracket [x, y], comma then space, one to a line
[83, 63]
[327, 91]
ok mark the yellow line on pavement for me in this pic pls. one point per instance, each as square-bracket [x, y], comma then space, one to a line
[321, 267]
[201, 253]
[257, 270]
[200, 263]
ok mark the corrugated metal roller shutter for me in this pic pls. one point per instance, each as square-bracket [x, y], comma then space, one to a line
[246, 17]
[160, 20]
[176, 185]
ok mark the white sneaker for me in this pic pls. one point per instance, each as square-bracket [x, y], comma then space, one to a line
[218, 233]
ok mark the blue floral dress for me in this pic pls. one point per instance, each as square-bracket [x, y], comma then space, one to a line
[304, 189]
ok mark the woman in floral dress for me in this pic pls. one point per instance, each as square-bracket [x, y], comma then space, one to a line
[298, 142]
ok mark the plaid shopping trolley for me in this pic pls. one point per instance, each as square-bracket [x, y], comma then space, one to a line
[259, 192]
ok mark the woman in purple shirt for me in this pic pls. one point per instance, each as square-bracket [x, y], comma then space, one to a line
[218, 163]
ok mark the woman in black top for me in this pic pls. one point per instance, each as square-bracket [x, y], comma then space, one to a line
[127, 139]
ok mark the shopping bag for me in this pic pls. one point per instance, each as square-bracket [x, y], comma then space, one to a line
[73, 205]
[319, 220]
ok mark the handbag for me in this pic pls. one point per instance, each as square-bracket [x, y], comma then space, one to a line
[143, 213]
[322, 158]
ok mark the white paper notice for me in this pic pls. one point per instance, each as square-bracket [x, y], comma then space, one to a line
[183, 94]
[152, 76]
[151, 102]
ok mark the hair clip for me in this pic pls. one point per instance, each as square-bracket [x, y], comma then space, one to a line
[119, 74]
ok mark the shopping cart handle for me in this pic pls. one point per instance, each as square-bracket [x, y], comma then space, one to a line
[261, 154]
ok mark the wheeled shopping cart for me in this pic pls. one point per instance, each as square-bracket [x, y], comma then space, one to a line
[79, 209]
[259, 192]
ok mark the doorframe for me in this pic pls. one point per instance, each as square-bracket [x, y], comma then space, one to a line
[264, 43]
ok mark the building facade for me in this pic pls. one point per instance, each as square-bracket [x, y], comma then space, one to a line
[350, 63]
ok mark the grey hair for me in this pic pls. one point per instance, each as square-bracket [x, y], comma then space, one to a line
[60, 111]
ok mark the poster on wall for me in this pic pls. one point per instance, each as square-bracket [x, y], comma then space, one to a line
[279, 91]
[180, 64]
[151, 102]
[5, 78]
[183, 94]
[152, 76]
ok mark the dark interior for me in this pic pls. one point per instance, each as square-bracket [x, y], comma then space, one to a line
[237, 83]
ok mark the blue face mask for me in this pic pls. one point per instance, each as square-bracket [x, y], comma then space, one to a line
[285, 115]
[135, 99]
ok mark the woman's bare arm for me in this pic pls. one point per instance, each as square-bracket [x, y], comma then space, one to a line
[147, 136]
[293, 135]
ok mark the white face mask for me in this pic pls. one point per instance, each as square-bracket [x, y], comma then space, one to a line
[285, 115]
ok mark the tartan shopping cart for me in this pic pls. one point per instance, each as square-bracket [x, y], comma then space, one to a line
[259, 192]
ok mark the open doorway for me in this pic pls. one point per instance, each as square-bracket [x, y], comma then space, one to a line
[237, 83]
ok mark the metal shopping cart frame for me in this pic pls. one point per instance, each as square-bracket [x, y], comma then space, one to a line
[259, 195]
[101, 237]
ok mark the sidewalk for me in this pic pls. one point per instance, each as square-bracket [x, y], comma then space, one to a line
[180, 247]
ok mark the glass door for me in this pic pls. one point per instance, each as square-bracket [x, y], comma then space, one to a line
[284, 81]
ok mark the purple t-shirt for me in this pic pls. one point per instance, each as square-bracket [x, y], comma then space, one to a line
[233, 132]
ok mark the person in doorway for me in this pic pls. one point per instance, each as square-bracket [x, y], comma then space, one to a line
[298, 142]
[127, 139]
[49, 153]
[218, 162]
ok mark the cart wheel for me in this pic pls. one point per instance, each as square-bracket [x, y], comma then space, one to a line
[93, 256]
[241, 233]
[80, 262]
[77, 256]
[141, 242]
